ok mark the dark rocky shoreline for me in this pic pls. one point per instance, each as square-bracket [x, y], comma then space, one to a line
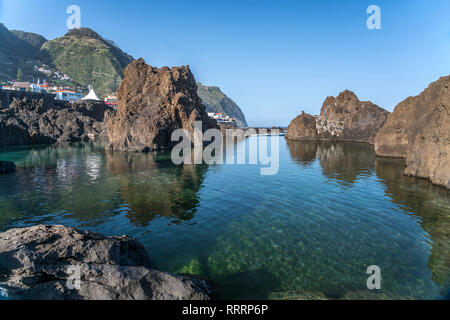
[32, 119]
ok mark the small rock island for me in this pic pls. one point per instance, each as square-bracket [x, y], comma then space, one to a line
[342, 118]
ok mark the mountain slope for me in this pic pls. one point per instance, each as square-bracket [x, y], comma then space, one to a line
[216, 101]
[15, 53]
[88, 59]
[35, 40]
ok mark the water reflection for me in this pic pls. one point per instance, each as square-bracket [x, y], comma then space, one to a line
[308, 232]
[79, 184]
[345, 162]
[153, 187]
[420, 197]
[56, 184]
[304, 153]
[339, 161]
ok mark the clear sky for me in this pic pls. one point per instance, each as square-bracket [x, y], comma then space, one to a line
[274, 58]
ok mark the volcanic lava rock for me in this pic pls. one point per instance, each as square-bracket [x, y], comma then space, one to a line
[35, 121]
[7, 167]
[37, 262]
[344, 118]
[153, 103]
[419, 130]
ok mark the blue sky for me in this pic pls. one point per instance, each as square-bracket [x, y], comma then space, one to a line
[274, 58]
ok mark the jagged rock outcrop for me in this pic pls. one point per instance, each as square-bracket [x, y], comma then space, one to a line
[344, 118]
[153, 103]
[36, 121]
[35, 264]
[419, 130]
[7, 167]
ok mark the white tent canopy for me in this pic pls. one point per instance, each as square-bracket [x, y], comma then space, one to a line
[91, 95]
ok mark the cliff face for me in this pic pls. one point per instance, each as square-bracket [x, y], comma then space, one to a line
[348, 119]
[216, 101]
[419, 130]
[153, 103]
[344, 118]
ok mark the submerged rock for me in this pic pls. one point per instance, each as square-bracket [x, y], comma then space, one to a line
[153, 103]
[419, 130]
[344, 118]
[7, 167]
[35, 264]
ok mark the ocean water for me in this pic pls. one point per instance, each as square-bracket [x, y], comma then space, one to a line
[308, 232]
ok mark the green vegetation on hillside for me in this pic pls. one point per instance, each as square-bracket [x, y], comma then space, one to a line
[88, 59]
[216, 101]
[34, 39]
[16, 53]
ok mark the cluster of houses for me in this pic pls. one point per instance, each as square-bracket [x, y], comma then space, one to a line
[222, 118]
[55, 74]
[41, 87]
[23, 86]
[61, 93]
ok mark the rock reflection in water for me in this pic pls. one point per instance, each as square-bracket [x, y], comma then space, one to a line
[420, 197]
[303, 152]
[151, 186]
[346, 161]
[66, 182]
[340, 161]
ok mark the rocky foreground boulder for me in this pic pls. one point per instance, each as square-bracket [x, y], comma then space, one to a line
[153, 103]
[7, 167]
[36, 121]
[36, 262]
[344, 118]
[419, 130]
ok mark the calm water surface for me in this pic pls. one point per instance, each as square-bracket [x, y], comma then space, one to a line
[310, 231]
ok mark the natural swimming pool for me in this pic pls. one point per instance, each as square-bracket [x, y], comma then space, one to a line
[309, 232]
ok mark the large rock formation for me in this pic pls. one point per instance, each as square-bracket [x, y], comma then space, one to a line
[29, 121]
[419, 130]
[36, 262]
[344, 118]
[153, 103]
[7, 167]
